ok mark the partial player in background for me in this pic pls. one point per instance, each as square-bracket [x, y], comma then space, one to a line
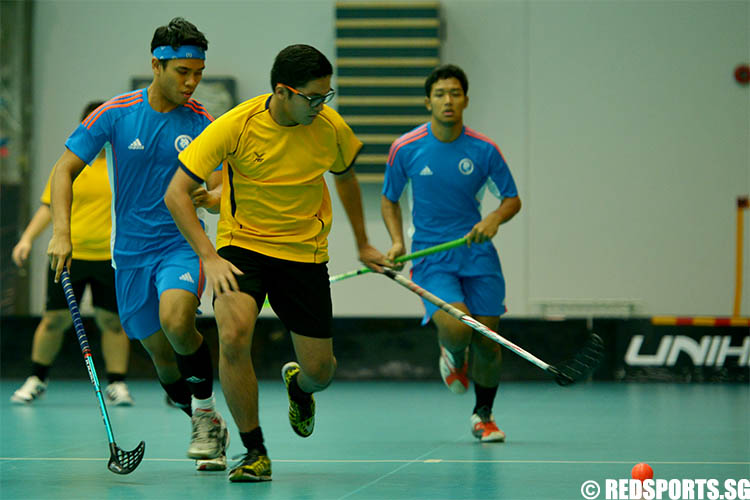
[159, 278]
[90, 235]
[448, 167]
[273, 235]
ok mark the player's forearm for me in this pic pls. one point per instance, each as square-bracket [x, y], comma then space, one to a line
[61, 197]
[214, 197]
[508, 208]
[351, 198]
[38, 223]
[181, 207]
[393, 220]
[214, 187]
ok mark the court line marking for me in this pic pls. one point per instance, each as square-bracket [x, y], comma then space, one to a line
[392, 461]
[405, 463]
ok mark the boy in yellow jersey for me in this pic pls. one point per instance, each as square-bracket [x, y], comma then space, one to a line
[90, 234]
[274, 222]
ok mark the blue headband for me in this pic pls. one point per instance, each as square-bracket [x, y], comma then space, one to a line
[165, 52]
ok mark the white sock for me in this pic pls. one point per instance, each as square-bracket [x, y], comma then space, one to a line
[203, 404]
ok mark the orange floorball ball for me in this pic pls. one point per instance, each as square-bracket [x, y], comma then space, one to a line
[642, 472]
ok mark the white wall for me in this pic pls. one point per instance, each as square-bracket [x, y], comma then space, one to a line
[626, 133]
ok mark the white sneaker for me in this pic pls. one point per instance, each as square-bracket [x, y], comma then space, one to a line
[456, 379]
[218, 463]
[118, 394]
[209, 435]
[484, 428]
[32, 389]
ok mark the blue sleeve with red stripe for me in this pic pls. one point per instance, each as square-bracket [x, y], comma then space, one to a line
[501, 176]
[90, 136]
[395, 178]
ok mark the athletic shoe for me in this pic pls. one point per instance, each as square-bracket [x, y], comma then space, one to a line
[456, 379]
[253, 467]
[32, 389]
[218, 463]
[484, 428]
[301, 416]
[118, 394]
[209, 435]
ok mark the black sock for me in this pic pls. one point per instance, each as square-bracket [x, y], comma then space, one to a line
[253, 440]
[179, 393]
[41, 371]
[296, 391]
[198, 370]
[115, 377]
[485, 396]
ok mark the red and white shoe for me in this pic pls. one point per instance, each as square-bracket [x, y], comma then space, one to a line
[484, 428]
[456, 379]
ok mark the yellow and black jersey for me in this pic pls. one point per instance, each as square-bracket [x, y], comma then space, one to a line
[274, 200]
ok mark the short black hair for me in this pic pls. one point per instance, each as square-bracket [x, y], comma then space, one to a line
[178, 32]
[443, 72]
[298, 64]
[90, 107]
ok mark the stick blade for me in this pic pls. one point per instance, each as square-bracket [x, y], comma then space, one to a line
[583, 364]
[125, 462]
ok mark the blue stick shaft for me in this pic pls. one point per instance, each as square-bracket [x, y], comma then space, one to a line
[83, 341]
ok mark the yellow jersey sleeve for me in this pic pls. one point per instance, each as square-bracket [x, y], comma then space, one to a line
[212, 146]
[46, 197]
[348, 143]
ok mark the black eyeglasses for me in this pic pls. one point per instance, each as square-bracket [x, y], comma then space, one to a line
[316, 101]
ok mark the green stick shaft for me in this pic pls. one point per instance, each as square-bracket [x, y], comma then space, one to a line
[421, 253]
[404, 258]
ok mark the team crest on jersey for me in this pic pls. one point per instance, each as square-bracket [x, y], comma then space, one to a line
[466, 166]
[182, 142]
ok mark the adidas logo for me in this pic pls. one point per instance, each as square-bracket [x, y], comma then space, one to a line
[426, 170]
[187, 277]
[136, 144]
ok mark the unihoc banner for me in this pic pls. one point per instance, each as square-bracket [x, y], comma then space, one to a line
[648, 349]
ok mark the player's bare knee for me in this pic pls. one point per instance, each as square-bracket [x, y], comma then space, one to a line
[56, 320]
[487, 349]
[176, 324]
[235, 343]
[320, 374]
[108, 321]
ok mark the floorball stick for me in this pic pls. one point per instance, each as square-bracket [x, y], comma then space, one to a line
[120, 461]
[566, 373]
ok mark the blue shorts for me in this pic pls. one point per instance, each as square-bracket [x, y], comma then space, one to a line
[471, 275]
[139, 289]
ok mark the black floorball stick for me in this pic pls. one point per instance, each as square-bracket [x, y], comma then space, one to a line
[120, 461]
[576, 369]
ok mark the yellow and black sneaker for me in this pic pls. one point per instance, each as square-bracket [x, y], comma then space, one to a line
[301, 416]
[252, 468]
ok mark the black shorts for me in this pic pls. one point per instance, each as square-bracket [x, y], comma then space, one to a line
[98, 274]
[299, 292]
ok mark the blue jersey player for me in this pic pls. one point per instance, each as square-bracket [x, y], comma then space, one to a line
[447, 167]
[158, 277]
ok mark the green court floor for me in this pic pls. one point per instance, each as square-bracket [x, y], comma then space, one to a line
[384, 440]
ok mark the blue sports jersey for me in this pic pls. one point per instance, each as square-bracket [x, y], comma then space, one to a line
[447, 181]
[142, 158]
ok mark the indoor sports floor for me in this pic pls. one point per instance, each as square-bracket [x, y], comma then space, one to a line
[384, 440]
